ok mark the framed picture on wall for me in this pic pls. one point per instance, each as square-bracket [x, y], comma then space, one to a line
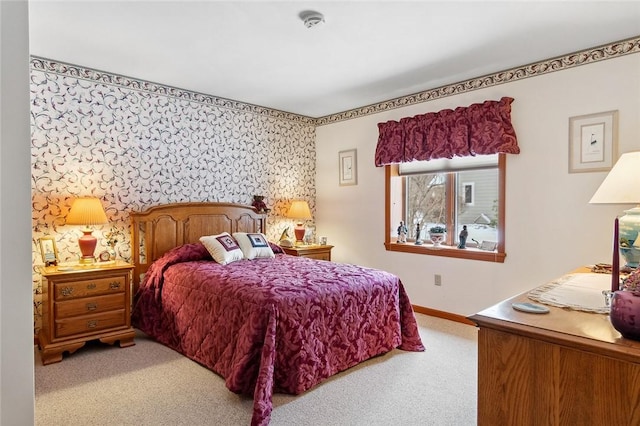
[593, 141]
[348, 166]
[48, 251]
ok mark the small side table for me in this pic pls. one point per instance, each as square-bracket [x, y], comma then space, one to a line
[312, 251]
[82, 303]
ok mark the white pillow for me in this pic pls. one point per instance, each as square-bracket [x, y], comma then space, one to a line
[253, 245]
[222, 247]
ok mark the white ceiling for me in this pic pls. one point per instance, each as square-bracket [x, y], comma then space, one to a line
[259, 52]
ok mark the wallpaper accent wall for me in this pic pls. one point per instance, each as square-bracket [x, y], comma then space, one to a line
[113, 138]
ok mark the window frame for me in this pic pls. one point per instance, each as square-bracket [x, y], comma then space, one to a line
[498, 256]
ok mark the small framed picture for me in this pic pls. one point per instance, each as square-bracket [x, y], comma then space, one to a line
[593, 141]
[48, 251]
[348, 165]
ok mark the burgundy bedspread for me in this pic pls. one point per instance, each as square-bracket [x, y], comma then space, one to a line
[273, 325]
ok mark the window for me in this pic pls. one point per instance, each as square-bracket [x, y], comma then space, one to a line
[451, 193]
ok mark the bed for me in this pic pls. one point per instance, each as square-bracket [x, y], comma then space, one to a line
[269, 324]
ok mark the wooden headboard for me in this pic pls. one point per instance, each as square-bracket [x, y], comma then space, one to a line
[161, 228]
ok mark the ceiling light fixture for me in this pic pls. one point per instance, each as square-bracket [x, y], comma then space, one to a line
[311, 18]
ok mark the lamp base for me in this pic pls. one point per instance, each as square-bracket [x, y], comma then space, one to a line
[299, 232]
[87, 245]
[629, 240]
[631, 256]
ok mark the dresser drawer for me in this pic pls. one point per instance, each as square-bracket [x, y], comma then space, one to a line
[90, 305]
[91, 287]
[90, 323]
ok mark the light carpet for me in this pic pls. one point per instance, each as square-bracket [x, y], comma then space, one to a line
[149, 384]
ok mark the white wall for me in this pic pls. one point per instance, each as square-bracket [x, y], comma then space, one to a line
[16, 317]
[550, 227]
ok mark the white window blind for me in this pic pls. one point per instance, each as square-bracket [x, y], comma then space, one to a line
[455, 164]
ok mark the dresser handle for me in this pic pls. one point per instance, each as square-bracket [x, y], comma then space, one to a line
[114, 285]
[66, 291]
[91, 286]
[92, 306]
[92, 324]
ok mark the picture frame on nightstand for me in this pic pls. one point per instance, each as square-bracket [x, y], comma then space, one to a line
[48, 250]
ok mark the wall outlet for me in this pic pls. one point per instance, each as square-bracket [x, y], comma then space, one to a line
[437, 279]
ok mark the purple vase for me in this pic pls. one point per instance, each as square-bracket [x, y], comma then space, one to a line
[625, 313]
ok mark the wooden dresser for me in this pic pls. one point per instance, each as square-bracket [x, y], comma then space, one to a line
[320, 252]
[83, 303]
[565, 367]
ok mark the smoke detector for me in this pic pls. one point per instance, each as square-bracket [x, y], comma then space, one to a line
[311, 18]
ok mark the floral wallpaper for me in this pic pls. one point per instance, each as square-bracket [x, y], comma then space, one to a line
[134, 145]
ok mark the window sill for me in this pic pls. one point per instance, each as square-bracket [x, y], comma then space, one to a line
[448, 251]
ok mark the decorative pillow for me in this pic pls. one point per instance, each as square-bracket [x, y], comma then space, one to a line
[223, 248]
[253, 245]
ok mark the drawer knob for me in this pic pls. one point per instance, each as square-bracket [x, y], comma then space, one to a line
[66, 291]
[91, 286]
[92, 306]
[114, 285]
[92, 324]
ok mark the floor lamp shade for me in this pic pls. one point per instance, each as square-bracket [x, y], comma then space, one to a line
[87, 211]
[622, 186]
[300, 211]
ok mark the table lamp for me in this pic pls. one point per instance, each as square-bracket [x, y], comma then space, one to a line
[622, 186]
[87, 211]
[299, 210]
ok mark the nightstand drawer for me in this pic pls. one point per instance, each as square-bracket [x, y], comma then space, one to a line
[93, 305]
[318, 252]
[90, 323]
[76, 289]
[320, 256]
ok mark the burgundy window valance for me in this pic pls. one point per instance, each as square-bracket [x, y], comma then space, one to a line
[474, 130]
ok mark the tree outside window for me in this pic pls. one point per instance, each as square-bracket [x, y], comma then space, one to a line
[450, 199]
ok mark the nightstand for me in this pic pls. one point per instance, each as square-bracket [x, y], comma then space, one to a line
[82, 303]
[312, 251]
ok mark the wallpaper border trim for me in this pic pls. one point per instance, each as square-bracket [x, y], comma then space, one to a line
[571, 60]
[70, 70]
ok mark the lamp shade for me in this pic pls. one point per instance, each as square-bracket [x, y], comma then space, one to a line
[622, 186]
[299, 210]
[87, 211]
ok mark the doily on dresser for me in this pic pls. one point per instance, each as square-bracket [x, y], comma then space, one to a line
[581, 292]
